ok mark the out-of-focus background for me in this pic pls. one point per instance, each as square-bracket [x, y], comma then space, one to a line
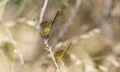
[92, 26]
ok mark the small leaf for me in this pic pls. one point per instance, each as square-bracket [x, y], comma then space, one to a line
[8, 49]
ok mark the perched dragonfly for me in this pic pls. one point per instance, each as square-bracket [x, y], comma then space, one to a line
[61, 53]
[46, 26]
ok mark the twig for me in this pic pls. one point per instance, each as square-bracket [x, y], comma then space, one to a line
[40, 19]
[42, 14]
[49, 49]
[14, 43]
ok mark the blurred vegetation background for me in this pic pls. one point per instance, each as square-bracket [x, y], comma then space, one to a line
[92, 28]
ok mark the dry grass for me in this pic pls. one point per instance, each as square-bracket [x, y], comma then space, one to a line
[92, 26]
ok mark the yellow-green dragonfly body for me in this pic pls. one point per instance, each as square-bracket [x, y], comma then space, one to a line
[46, 26]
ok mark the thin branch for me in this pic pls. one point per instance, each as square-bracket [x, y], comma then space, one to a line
[14, 43]
[42, 13]
[49, 49]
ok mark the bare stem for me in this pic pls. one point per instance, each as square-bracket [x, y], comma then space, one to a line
[49, 49]
[14, 43]
[42, 13]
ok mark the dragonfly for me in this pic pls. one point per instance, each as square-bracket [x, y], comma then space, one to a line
[61, 53]
[46, 26]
